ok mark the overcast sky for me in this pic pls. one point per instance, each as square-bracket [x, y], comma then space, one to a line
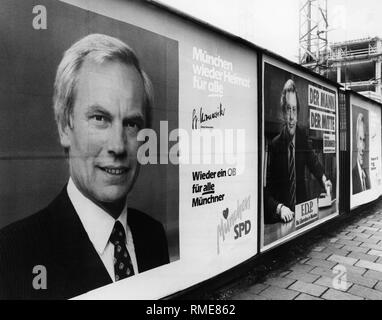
[274, 24]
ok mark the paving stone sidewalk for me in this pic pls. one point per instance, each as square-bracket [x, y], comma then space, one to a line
[339, 261]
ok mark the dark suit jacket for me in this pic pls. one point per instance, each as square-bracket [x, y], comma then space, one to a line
[56, 239]
[277, 187]
[357, 184]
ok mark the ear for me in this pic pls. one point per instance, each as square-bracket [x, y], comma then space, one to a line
[64, 132]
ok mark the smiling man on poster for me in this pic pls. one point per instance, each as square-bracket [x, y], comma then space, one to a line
[290, 154]
[361, 181]
[88, 237]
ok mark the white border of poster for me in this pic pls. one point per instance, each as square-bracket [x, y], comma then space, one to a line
[308, 77]
[370, 152]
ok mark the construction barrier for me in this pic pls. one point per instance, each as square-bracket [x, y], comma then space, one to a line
[240, 150]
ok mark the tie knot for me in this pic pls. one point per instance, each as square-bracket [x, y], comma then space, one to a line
[118, 235]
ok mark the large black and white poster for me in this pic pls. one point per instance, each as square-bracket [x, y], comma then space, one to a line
[129, 154]
[77, 178]
[300, 152]
[366, 177]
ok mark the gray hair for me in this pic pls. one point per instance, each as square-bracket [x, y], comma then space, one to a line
[360, 121]
[289, 86]
[100, 48]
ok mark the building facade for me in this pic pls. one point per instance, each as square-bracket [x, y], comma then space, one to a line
[355, 64]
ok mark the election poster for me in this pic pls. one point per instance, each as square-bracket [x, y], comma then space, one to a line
[215, 145]
[129, 154]
[365, 133]
[300, 147]
[77, 89]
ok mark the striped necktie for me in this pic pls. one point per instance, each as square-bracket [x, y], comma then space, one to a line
[363, 180]
[292, 177]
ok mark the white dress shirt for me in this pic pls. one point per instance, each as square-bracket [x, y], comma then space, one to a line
[98, 225]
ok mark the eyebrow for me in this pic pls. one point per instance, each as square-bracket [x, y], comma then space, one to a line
[97, 109]
[137, 117]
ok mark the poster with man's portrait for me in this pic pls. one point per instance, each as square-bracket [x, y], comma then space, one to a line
[365, 160]
[360, 147]
[85, 201]
[128, 160]
[300, 152]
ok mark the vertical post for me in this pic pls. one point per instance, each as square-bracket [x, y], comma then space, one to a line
[309, 46]
[300, 54]
[339, 73]
[378, 74]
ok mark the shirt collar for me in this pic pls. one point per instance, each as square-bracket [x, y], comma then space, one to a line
[287, 137]
[97, 222]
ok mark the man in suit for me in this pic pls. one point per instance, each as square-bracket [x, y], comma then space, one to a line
[88, 237]
[361, 181]
[289, 154]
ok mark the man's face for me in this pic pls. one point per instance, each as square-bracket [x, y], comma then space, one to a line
[102, 139]
[360, 143]
[291, 113]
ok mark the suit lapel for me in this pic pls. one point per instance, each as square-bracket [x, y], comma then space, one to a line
[75, 254]
[284, 154]
[139, 239]
[300, 165]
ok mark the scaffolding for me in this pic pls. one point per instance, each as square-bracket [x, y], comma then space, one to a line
[357, 65]
[313, 36]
